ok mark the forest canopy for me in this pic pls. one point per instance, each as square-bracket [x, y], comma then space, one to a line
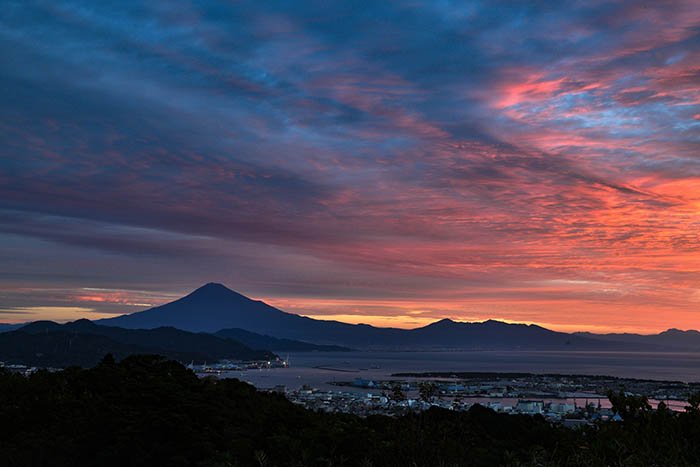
[147, 410]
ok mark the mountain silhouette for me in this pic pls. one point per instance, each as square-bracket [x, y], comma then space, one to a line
[671, 339]
[84, 343]
[214, 307]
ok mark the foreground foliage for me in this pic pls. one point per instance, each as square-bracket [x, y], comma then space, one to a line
[149, 411]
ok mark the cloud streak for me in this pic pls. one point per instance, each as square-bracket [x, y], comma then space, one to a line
[529, 162]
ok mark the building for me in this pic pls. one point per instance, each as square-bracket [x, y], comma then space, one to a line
[530, 406]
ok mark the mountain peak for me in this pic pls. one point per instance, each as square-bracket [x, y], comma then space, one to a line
[494, 322]
[83, 321]
[213, 290]
[212, 287]
[443, 323]
[676, 331]
[82, 324]
[209, 308]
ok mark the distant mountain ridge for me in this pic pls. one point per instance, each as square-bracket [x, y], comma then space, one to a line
[675, 339]
[84, 343]
[214, 307]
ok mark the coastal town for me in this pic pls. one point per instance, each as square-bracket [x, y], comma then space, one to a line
[571, 400]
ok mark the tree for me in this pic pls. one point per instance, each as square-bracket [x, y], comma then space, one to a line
[397, 393]
[628, 406]
[694, 403]
[427, 390]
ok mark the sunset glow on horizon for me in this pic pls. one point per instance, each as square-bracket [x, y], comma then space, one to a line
[387, 163]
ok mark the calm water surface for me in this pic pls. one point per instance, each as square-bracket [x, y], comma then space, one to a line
[317, 369]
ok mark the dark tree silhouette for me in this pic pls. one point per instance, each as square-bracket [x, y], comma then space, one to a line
[147, 410]
[397, 393]
[628, 406]
[427, 391]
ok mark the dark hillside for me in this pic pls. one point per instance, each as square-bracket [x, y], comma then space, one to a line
[147, 411]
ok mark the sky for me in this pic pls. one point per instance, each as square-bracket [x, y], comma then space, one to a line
[384, 162]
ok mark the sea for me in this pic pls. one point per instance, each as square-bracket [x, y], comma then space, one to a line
[320, 369]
